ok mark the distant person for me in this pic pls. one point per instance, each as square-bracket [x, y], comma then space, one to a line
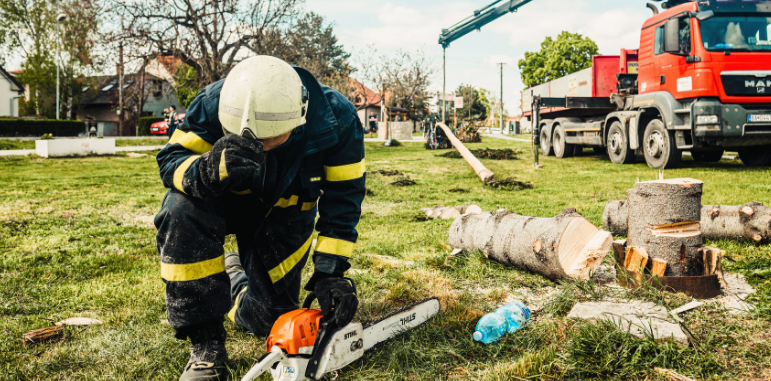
[92, 131]
[171, 120]
[372, 123]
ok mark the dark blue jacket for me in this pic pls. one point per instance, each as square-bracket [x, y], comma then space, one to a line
[329, 166]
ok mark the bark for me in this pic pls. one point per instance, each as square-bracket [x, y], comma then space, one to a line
[748, 222]
[664, 220]
[485, 174]
[567, 245]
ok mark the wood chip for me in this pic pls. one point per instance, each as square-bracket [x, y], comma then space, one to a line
[54, 333]
[79, 321]
[658, 267]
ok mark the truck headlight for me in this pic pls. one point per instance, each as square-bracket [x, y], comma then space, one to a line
[707, 119]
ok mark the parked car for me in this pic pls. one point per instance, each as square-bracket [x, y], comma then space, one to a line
[160, 128]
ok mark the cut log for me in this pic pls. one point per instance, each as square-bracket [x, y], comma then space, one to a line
[658, 267]
[712, 257]
[619, 251]
[664, 220]
[567, 245]
[485, 174]
[749, 222]
[636, 259]
[446, 212]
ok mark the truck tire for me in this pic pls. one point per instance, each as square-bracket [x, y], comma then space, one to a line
[561, 148]
[659, 146]
[759, 156]
[707, 156]
[618, 145]
[546, 149]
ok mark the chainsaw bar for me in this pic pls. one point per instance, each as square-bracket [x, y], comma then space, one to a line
[399, 321]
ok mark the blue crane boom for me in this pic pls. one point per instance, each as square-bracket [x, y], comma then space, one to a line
[480, 18]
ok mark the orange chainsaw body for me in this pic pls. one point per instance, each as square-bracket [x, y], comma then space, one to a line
[295, 329]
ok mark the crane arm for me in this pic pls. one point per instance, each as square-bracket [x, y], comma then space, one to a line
[480, 18]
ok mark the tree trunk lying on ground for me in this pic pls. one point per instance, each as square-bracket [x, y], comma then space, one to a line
[445, 212]
[664, 220]
[749, 222]
[567, 245]
[485, 174]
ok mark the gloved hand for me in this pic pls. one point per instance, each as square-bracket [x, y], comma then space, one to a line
[337, 298]
[232, 164]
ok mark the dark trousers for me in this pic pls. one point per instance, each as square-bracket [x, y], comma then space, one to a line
[190, 239]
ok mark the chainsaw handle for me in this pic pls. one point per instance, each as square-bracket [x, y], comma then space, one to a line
[312, 295]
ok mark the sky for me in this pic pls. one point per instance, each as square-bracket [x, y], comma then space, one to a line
[414, 25]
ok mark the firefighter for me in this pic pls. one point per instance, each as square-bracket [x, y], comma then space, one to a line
[258, 155]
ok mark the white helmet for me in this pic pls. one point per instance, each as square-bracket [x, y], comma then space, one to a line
[262, 97]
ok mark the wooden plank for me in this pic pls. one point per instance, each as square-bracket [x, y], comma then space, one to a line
[636, 259]
[712, 257]
[658, 267]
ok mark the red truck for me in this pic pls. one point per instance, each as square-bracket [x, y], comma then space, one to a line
[700, 82]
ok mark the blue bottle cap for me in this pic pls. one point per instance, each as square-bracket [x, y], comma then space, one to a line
[478, 336]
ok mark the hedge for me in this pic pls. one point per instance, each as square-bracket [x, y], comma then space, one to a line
[37, 127]
[144, 123]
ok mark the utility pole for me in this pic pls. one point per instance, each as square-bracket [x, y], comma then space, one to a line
[59, 20]
[120, 91]
[501, 65]
[444, 84]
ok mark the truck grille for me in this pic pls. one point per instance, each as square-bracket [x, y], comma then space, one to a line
[757, 129]
[747, 83]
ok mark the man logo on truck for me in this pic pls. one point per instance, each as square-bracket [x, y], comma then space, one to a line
[759, 84]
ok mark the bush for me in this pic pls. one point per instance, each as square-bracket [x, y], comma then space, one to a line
[143, 126]
[38, 127]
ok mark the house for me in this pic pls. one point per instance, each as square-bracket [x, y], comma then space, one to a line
[10, 92]
[100, 106]
[367, 101]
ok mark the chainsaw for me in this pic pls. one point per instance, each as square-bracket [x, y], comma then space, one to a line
[303, 344]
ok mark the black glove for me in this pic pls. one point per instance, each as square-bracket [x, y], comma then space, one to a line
[243, 158]
[337, 299]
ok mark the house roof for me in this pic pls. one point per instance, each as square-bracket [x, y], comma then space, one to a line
[107, 87]
[371, 97]
[170, 63]
[12, 79]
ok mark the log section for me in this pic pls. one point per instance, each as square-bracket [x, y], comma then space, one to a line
[748, 222]
[567, 245]
[664, 220]
[485, 174]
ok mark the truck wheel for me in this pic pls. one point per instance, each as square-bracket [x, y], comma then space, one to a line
[546, 149]
[707, 156]
[618, 145]
[562, 149]
[756, 156]
[659, 146]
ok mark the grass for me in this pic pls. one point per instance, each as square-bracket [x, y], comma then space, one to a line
[78, 240]
[13, 144]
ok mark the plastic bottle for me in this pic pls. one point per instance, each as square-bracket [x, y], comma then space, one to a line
[509, 318]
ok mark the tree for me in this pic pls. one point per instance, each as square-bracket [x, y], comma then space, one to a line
[566, 54]
[210, 36]
[405, 79]
[475, 105]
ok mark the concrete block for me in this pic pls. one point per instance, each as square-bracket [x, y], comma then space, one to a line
[399, 130]
[636, 317]
[74, 147]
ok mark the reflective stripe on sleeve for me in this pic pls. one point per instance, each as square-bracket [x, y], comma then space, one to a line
[288, 264]
[334, 246]
[345, 172]
[287, 202]
[190, 141]
[308, 206]
[223, 168]
[179, 173]
[192, 271]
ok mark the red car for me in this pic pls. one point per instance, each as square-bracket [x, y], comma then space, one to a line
[159, 128]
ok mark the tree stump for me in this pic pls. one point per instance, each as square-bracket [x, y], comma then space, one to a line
[748, 222]
[664, 220]
[567, 245]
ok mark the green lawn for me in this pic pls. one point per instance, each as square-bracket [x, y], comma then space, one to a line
[12, 144]
[78, 240]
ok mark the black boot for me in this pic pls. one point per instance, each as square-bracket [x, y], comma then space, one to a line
[207, 355]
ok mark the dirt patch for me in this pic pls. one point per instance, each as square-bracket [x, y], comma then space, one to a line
[384, 172]
[487, 153]
[509, 184]
[403, 182]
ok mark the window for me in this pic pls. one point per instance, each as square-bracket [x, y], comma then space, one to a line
[737, 33]
[659, 48]
[685, 36]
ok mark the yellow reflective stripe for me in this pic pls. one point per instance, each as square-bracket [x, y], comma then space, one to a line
[190, 141]
[345, 172]
[232, 313]
[241, 193]
[308, 206]
[223, 167]
[334, 246]
[192, 271]
[288, 264]
[287, 202]
[179, 173]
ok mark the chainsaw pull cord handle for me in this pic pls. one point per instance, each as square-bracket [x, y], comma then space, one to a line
[327, 330]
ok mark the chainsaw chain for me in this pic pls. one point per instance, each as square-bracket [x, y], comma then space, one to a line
[392, 313]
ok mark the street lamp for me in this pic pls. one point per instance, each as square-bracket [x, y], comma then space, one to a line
[59, 20]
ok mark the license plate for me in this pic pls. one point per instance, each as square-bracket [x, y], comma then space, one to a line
[755, 118]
